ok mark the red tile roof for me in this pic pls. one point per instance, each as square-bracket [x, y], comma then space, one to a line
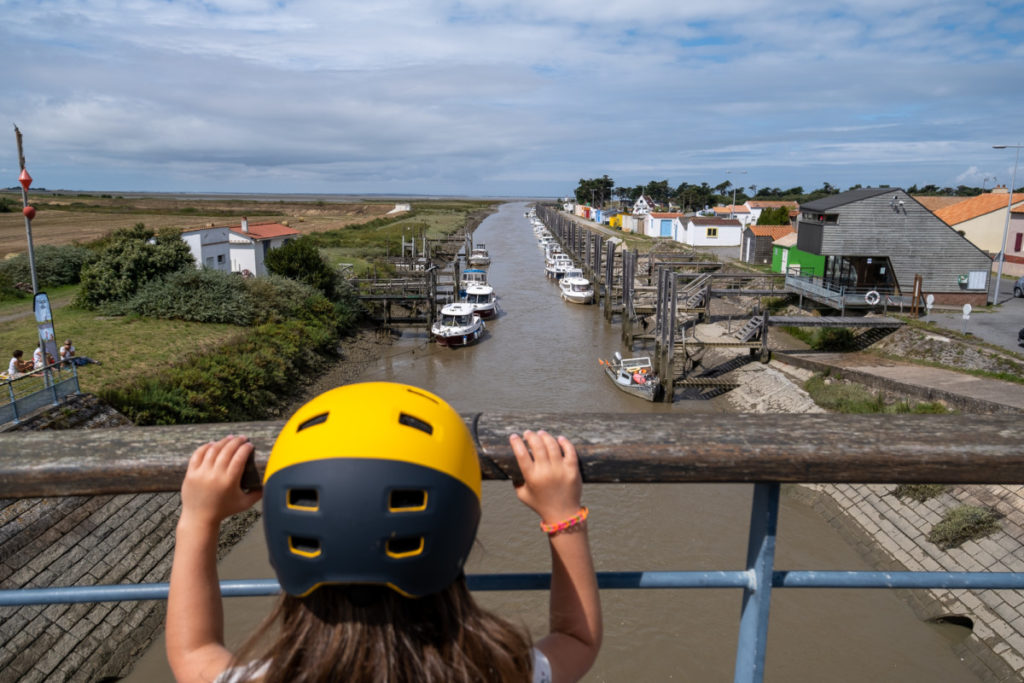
[935, 203]
[771, 204]
[265, 231]
[972, 207]
[737, 208]
[773, 231]
[708, 220]
[786, 240]
[667, 215]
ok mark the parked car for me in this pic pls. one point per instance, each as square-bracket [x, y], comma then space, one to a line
[1020, 337]
[1018, 287]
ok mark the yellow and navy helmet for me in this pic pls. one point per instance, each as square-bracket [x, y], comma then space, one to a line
[373, 483]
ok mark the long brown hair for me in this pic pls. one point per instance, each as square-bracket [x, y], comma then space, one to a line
[371, 634]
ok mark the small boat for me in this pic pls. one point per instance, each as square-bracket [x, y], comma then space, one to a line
[479, 256]
[470, 277]
[633, 375]
[482, 299]
[458, 326]
[558, 265]
[576, 289]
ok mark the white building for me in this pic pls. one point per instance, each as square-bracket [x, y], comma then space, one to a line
[711, 232]
[643, 205]
[237, 249]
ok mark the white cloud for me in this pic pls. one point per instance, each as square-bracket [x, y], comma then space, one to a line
[414, 96]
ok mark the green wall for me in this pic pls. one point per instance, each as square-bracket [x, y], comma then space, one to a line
[810, 264]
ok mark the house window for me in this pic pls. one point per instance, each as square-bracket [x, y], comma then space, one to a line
[220, 258]
[1017, 241]
[712, 233]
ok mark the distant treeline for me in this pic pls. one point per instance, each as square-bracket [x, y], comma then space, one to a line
[693, 197]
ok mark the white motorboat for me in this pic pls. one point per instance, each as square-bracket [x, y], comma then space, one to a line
[482, 299]
[576, 289]
[458, 325]
[479, 256]
[470, 277]
[558, 265]
[634, 376]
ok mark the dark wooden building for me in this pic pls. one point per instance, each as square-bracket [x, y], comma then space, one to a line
[876, 240]
[758, 239]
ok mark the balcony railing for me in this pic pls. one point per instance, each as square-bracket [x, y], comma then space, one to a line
[760, 449]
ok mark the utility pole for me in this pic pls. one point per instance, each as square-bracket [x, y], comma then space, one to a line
[29, 212]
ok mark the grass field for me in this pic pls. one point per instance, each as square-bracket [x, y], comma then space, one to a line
[129, 347]
[65, 219]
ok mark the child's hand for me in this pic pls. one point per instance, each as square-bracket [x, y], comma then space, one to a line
[211, 491]
[552, 485]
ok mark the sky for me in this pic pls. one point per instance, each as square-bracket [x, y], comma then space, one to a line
[520, 98]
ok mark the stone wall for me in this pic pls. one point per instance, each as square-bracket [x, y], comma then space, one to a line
[85, 540]
[891, 533]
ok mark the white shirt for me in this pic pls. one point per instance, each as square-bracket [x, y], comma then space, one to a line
[37, 358]
[12, 368]
[239, 674]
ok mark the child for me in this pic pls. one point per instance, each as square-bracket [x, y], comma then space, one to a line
[371, 504]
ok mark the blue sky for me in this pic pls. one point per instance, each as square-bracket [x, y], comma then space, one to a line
[509, 98]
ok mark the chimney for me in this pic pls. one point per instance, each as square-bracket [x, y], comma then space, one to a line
[245, 224]
[1000, 189]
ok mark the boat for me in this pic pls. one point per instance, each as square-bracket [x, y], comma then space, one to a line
[482, 299]
[558, 265]
[458, 326]
[479, 256]
[576, 289]
[470, 277]
[634, 376]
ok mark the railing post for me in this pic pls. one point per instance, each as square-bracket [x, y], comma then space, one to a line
[14, 402]
[750, 652]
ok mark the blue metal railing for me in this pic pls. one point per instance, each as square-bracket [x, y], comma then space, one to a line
[28, 393]
[756, 582]
[614, 448]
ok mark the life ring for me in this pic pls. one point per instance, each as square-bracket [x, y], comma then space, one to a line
[872, 298]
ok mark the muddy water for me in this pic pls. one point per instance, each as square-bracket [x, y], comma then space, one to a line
[541, 355]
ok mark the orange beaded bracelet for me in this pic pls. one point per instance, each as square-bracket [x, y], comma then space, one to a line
[552, 529]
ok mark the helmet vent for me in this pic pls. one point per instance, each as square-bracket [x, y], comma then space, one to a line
[406, 546]
[304, 499]
[313, 421]
[416, 423]
[307, 547]
[405, 500]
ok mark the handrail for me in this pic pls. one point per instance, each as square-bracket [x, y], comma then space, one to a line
[628, 448]
[763, 449]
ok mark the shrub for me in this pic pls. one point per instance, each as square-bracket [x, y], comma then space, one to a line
[919, 492]
[244, 380]
[300, 260]
[964, 523]
[834, 339]
[55, 266]
[131, 258]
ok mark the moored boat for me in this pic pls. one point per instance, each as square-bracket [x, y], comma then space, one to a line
[558, 265]
[634, 376]
[482, 299]
[470, 277]
[457, 326]
[575, 288]
[479, 256]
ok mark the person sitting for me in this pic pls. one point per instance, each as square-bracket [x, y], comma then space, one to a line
[67, 354]
[17, 366]
[37, 359]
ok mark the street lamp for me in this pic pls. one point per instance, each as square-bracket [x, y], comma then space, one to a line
[732, 207]
[1006, 226]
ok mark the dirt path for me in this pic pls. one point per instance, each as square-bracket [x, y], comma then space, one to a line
[59, 302]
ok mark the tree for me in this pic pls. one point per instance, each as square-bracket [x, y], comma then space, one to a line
[778, 215]
[594, 190]
[300, 260]
[131, 258]
[659, 191]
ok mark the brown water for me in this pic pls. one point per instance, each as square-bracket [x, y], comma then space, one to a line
[541, 355]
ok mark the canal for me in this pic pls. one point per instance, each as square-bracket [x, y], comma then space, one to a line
[541, 355]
